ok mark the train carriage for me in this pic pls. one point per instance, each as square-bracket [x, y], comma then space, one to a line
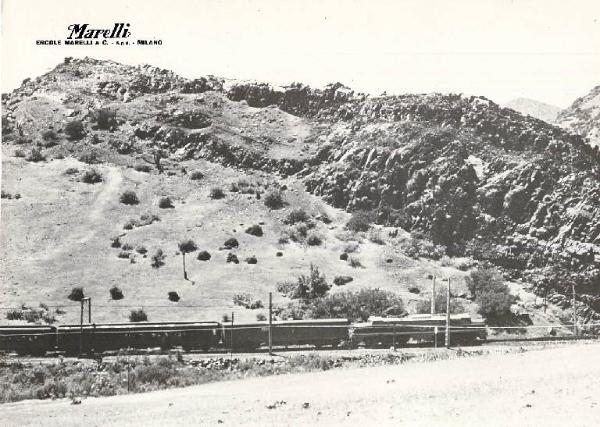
[34, 340]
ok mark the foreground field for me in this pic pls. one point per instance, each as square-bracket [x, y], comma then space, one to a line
[555, 386]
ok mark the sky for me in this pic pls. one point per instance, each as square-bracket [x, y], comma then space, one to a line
[546, 50]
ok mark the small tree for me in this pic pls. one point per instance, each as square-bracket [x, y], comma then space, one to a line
[138, 316]
[129, 198]
[76, 294]
[274, 200]
[312, 286]
[186, 247]
[158, 259]
[490, 293]
[116, 293]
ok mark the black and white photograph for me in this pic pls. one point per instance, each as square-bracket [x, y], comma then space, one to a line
[298, 213]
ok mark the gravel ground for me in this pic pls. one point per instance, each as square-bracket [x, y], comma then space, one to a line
[555, 386]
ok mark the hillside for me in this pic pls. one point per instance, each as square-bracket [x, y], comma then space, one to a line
[583, 117]
[481, 182]
[533, 108]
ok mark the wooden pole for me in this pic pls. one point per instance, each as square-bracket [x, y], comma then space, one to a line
[448, 316]
[232, 334]
[574, 310]
[89, 301]
[433, 296]
[81, 330]
[270, 323]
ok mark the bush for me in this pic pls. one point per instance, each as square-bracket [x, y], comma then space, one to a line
[246, 301]
[414, 290]
[231, 243]
[274, 200]
[124, 255]
[76, 294]
[314, 240]
[260, 317]
[279, 253]
[157, 260]
[359, 221]
[91, 177]
[173, 296]
[105, 118]
[116, 293]
[71, 171]
[74, 129]
[141, 250]
[49, 136]
[165, 203]
[129, 198]
[142, 168]
[313, 285]
[232, 258]
[196, 175]
[216, 193]
[255, 230]
[355, 305]
[138, 316]
[242, 186]
[115, 242]
[127, 247]
[35, 155]
[286, 288]
[252, 260]
[295, 216]
[344, 256]
[342, 280]
[89, 157]
[490, 293]
[19, 153]
[420, 248]
[204, 256]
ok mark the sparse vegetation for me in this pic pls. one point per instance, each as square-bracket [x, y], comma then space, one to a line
[274, 200]
[255, 230]
[138, 316]
[417, 247]
[204, 256]
[76, 294]
[246, 301]
[74, 129]
[145, 219]
[129, 198]
[116, 293]
[32, 314]
[165, 203]
[91, 176]
[216, 193]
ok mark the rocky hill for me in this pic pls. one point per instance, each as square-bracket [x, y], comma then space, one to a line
[472, 178]
[583, 117]
[533, 108]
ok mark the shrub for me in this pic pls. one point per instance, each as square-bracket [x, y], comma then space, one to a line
[19, 153]
[295, 216]
[204, 256]
[354, 305]
[138, 316]
[71, 171]
[141, 250]
[14, 314]
[359, 221]
[225, 318]
[342, 280]
[242, 186]
[116, 293]
[355, 262]
[376, 238]
[76, 294]
[124, 255]
[173, 296]
[142, 168]
[157, 260]
[105, 118]
[196, 175]
[255, 230]
[314, 240]
[49, 135]
[216, 193]
[414, 290]
[420, 248]
[246, 301]
[260, 317]
[274, 200]
[74, 129]
[313, 285]
[127, 247]
[35, 155]
[344, 256]
[231, 243]
[283, 240]
[424, 306]
[165, 203]
[252, 260]
[232, 258]
[115, 242]
[129, 198]
[286, 288]
[279, 253]
[89, 157]
[91, 177]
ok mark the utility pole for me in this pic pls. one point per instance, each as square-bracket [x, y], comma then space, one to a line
[270, 323]
[89, 303]
[574, 310]
[433, 296]
[448, 316]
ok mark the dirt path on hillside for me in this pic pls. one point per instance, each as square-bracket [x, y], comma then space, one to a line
[554, 387]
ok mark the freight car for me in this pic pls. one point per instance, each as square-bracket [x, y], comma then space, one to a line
[380, 331]
[319, 333]
[27, 339]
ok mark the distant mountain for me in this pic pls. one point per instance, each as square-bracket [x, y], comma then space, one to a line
[537, 109]
[583, 117]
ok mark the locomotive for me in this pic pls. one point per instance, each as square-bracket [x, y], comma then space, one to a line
[246, 337]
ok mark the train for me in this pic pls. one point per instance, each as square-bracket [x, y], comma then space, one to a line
[96, 339]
